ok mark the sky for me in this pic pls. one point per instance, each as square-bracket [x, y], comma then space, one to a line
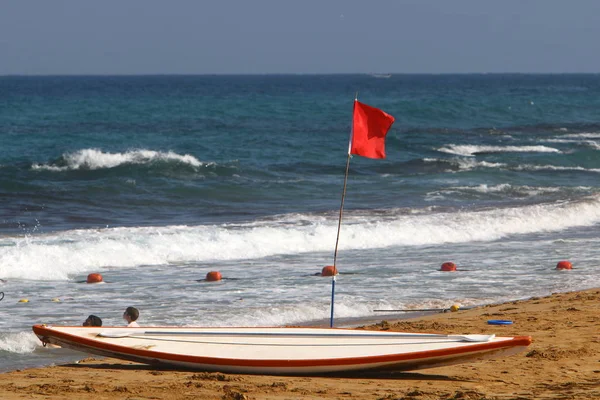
[41, 37]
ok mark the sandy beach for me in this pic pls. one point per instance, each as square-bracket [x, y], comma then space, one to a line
[562, 363]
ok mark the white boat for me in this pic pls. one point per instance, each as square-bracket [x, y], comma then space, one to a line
[280, 351]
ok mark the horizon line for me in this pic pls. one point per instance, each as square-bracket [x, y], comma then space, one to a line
[292, 74]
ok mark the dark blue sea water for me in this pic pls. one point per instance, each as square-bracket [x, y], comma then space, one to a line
[153, 181]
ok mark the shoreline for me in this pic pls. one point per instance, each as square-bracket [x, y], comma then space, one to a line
[562, 362]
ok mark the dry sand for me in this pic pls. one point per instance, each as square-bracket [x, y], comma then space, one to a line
[562, 363]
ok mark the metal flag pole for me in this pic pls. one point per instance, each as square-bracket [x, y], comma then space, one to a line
[337, 240]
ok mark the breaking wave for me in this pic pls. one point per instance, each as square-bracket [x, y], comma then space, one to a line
[471, 150]
[62, 255]
[92, 159]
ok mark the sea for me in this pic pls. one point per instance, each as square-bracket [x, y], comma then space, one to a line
[155, 181]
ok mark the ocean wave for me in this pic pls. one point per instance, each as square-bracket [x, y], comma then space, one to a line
[584, 135]
[464, 164]
[92, 159]
[469, 164]
[19, 342]
[471, 150]
[507, 187]
[503, 189]
[278, 315]
[529, 167]
[586, 142]
[63, 255]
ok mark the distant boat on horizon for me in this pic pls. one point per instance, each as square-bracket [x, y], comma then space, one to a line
[381, 75]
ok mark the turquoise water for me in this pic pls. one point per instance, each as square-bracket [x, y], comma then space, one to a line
[153, 181]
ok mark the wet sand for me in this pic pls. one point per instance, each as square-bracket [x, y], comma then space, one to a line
[562, 363]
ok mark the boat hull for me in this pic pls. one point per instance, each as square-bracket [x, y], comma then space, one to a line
[279, 351]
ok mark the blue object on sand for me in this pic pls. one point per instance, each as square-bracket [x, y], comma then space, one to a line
[499, 322]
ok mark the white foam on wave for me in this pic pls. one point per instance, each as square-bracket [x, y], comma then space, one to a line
[467, 164]
[527, 191]
[529, 167]
[61, 255]
[288, 314]
[471, 150]
[584, 135]
[483, 188]
[19, 342]
[507, 187]
[97, 159]
[589, 143]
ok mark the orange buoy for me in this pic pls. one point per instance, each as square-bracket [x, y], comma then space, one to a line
[94, 278]
[329, 270]
[213, 276]
[564, 265]
[448, 266]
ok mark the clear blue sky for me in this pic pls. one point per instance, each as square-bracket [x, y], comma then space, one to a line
[307, 36]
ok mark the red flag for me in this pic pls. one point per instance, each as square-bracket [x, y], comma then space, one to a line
[369, 127]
